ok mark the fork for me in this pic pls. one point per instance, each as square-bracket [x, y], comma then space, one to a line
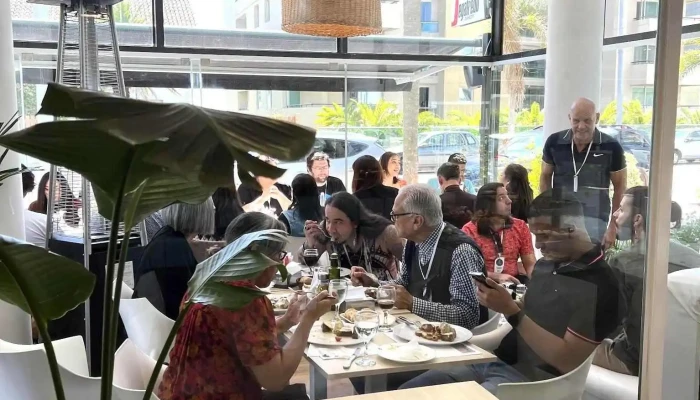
[408, 322]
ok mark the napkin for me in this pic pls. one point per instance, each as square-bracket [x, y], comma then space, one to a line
[335, 351]
[294, 268]
[355, 293]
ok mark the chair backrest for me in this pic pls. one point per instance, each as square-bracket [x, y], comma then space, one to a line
[133, 368]
[70, 353]
[147, 327]
[488, 326]
[566, 387]
[126, 292]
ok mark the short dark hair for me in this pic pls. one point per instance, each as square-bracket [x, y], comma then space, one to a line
[28, 181]
[457, 158]
[556, 203]
[640, 205]
[317, 156]
[449, 171]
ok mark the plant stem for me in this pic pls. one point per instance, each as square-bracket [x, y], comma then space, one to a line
[164, 351]
[53, 363]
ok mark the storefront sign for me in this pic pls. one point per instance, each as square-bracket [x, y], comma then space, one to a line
[471, 11]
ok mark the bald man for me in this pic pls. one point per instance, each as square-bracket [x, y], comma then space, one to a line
[585, 161]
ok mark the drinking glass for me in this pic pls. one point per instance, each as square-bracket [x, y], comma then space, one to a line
[338, 288]
[386, 297]
[310, 257]
[366, 325]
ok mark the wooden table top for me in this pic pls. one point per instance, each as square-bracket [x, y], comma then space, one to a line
[333, 369]
[464, 390]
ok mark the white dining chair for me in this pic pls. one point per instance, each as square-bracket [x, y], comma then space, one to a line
[126, 292]
[133, 368]
[70, 352]
[488, 326]
[147, 327]
[25, 375]
[566, 387]
[489, 341]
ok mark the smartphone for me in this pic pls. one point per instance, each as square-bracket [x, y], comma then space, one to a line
[479, 277]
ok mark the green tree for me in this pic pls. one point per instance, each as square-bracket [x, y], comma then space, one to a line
[688, 117]
[690, 57]
[124, 14]
[427, 120]
[532, 117]
[460, 118]
[609, 114]
[384, 113]
[634, 113]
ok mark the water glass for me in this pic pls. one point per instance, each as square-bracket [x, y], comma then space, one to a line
[338, 288]
[366, 326]
[386, 297]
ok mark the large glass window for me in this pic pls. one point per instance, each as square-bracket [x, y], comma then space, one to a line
[525, 25]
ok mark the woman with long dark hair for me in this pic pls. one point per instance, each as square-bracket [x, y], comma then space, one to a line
[305, 205]
[227, 209]
[502, 239]
[359, 237]
[391, 167]
[64, 200]
[367, 186]
[515, 179]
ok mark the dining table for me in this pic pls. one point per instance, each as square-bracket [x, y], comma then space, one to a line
[463, 390]
[375, 377]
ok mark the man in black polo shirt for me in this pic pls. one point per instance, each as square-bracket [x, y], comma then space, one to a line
[571, 304]
[585, 160]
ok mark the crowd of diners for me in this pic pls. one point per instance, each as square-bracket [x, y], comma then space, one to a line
[424, 240]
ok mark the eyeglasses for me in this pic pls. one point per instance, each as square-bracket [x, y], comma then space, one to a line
[394, 216]
[283, 255]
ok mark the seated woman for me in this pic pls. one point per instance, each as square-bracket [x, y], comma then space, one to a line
[391, 167]
[272, 199]
[169, 259]
[515, 179]
[502, 238]
[64, 200]
[232, 355]
[367, 186]
[360, 238]
[227, 209]
[305, 206]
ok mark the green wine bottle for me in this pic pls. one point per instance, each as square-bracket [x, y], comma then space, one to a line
[334, 271]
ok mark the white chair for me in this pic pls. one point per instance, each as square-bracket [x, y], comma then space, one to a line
[566, 387]
[147, 327]
[489, 341]
[488, 326]
[25, 375]
[70, 352]
[126, 292]
[133, 368]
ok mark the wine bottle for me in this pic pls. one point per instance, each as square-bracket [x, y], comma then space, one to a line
[334, 271]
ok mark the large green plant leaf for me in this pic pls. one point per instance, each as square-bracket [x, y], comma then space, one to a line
[226, 296]
[44, 284]
[240, 260]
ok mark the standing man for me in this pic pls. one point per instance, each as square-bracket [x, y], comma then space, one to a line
[457, 205]
[585, 161]
[319, 164]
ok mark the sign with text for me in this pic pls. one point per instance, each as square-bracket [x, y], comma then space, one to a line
[471, 11]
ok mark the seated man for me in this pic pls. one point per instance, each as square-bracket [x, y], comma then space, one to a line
[571, 304]
[622, 354]
[457, 205]
[434, 282]
[466, 184]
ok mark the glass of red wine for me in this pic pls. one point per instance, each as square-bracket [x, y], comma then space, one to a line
[386, 297]
[310, 257]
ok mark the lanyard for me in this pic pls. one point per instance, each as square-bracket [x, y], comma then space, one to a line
[498, 242]
[573, 161]
[430, 263]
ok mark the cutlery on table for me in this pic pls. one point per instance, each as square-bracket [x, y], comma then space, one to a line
[411, 324]
[357, 353]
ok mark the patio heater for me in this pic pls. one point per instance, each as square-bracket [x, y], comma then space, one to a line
[88, 58]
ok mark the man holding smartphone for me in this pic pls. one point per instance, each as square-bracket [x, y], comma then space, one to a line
[571, 304]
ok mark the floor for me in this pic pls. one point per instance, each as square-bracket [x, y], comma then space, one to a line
[336, 388]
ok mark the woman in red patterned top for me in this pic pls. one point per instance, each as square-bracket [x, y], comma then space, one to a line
[231, 355]
[502, 239]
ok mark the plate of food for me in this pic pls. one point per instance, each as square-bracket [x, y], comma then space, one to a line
[280, 302]
[406, 352]
[433, 333]
[349, 316]
[333, 332]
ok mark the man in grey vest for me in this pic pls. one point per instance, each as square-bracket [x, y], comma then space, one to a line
[434, 282]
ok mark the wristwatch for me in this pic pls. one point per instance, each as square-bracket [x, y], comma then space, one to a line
[514, 320]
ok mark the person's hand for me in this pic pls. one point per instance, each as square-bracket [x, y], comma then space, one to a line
[312, 233]
[610, 237]
[404, 300]
[320, 305]
[360, 277]
[504, 278]
[496, 297]
[293, 314]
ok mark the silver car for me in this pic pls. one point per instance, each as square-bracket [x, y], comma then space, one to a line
[333, 144]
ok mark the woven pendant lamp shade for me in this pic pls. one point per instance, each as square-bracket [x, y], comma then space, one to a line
[335, 18]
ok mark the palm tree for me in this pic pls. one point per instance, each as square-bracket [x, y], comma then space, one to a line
[690, 59]
[384, 113]
[521, 16]
[411, 27]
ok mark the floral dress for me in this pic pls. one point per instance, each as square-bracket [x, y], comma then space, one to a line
[215, 348]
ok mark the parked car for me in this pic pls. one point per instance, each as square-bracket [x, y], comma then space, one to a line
[687, 145]
[333, 144]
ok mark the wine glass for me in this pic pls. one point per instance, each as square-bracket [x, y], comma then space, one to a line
[386, 296]
[366, 325]
[310, 257]
[338, 288]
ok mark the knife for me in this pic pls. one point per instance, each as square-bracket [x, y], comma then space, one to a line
[357, 353]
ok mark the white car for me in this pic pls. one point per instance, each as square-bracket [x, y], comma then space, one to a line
[333, 144]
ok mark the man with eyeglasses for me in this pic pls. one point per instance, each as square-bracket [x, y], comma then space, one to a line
[319, 165]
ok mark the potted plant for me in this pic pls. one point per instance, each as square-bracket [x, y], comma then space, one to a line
[140, 157]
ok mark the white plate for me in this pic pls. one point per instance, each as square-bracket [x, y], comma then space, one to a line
[404, 332]
[317, 336]
[406, 353]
